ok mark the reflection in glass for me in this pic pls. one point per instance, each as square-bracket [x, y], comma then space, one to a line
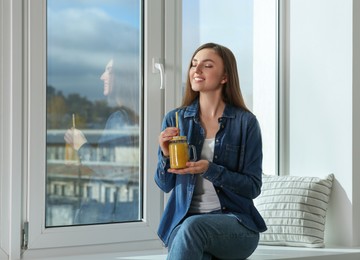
[93, 112]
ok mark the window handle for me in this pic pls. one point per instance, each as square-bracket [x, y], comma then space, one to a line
[160, 68]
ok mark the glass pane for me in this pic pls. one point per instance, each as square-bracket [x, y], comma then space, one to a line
[93, 112]
[202, 23]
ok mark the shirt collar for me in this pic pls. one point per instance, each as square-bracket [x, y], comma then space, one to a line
[193, 110]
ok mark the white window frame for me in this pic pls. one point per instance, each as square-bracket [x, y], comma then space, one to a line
[22, 133]
[11, 128]
[41, 237]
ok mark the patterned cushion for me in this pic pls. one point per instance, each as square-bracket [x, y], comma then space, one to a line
[294, 209]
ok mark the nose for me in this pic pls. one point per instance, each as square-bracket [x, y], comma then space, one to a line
[102, 77]
[198, 69]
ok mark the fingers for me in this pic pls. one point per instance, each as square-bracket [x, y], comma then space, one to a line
[166, 135]
[169, 133]
[75, 137]
[192, 168]
[68, 137]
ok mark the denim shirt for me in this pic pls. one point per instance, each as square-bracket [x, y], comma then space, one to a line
[235, 171]
[118, 120]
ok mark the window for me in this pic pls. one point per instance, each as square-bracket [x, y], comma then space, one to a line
[199, 26]
[249, 29]
[93, 111]
[104, 194]
[34, 119]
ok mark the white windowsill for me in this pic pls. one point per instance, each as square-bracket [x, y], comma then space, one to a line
[261, 253]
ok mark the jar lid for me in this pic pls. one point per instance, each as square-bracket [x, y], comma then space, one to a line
[179, 138]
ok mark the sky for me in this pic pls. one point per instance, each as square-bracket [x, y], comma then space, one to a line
[83, 35]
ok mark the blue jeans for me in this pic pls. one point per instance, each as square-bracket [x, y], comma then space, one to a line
[211, 236]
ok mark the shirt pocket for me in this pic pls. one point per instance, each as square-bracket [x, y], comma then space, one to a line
[232, 157]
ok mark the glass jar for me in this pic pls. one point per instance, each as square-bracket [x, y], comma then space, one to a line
[179, 152]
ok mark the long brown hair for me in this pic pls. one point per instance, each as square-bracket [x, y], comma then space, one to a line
[231, 92]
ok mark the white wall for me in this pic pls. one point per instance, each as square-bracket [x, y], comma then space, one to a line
[265, 79]
[320, 103]
[356, 118]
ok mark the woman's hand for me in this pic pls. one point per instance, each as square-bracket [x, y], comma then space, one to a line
[198, 167]
[75, 137]
[164, 138]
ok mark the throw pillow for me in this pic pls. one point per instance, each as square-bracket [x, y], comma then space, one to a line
[294, 209]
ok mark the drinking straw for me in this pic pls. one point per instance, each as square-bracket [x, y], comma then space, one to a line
[177, 119]
[73, 120]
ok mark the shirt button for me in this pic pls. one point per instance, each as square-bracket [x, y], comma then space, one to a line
[224, 208]
[216, 156]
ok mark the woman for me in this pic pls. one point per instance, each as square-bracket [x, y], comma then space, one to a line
[210, 213]
[112, 158]
[117, 98]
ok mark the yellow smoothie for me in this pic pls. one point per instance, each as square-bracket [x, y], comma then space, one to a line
[179, 152]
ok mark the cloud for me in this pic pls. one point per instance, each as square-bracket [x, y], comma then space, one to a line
[81, 40]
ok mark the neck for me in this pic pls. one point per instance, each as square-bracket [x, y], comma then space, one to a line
[211, 107]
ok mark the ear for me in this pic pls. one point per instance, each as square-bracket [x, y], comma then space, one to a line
[224, 80]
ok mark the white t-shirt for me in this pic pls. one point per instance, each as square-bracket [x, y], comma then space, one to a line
[205, 198]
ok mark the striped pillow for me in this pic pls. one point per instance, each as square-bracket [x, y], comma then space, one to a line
[294, 209]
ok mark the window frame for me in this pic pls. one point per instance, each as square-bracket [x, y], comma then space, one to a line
[11, 127]
[122, 234]
[20, 30]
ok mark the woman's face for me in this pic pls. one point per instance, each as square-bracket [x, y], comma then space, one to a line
[107, 77]
[207, 71]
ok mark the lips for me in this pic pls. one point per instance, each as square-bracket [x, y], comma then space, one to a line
[197, 79]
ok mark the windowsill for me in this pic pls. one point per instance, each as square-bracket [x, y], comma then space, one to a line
[283, 252]
[261, 253]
